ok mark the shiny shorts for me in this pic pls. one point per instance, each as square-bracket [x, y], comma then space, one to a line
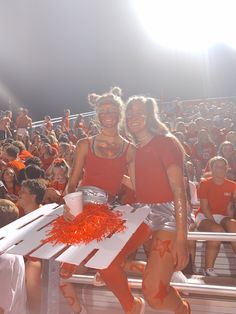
[162, 217]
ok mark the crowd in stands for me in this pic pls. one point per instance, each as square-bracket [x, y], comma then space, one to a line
[35, 166]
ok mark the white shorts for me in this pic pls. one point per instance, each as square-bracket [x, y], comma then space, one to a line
[200, 217]
[22, 132]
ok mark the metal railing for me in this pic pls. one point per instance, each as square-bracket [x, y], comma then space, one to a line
[56, 121]
[213, 290]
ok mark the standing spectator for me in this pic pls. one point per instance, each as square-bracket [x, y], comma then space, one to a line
[65, 122]
[23, 123]
[5, 122]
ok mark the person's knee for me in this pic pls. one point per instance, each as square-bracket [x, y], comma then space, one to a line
[217, 228]
[230, 226]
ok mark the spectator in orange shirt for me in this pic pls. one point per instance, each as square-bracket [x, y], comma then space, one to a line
[24, 154]
[60, 173]
[216, 212]
[11, 155]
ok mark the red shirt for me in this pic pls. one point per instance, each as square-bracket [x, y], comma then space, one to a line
[104, 173]
[151, 164]
[218, 195]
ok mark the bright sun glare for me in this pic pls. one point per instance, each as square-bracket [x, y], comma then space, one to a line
[192, 25]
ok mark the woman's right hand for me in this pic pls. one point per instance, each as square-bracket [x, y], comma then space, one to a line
[67, 214]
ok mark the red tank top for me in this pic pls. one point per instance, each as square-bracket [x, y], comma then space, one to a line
[104, 173]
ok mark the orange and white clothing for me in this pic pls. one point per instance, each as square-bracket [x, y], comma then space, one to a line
[219, 197]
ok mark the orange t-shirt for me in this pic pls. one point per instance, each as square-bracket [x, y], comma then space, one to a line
[17, 165]
[24, 154]
[218, 195]
[23, 122]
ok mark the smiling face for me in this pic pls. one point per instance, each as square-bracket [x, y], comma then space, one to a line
[108, 115]
[9, 175]
[219, 169]
[136, 118]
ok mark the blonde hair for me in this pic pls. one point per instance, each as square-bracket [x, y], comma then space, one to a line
[8, 212]
[153, 122]
[113, 97]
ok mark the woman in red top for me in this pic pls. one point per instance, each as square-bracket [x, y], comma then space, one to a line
[101, 160]
[216, 214]
[159, 182]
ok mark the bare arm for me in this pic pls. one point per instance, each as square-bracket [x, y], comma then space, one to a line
[176, 181]
[129, 180]
[205, 208]
[81, 152]
[180, 248]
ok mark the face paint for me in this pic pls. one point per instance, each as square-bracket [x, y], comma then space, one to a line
[163, 292]
[161, 246]
[108, 115]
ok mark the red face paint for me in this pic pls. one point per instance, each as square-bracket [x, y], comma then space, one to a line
[161, 246]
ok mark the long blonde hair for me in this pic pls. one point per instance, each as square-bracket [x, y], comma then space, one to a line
[153, 122]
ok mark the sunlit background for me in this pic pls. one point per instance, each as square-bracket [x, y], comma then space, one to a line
[190, 25]
[54, 52]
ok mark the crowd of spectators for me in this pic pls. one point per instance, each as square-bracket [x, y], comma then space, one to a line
[35, 162]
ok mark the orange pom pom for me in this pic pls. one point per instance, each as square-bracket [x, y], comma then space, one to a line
[96, 222]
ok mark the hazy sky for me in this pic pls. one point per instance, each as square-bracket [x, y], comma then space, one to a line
[53, 52]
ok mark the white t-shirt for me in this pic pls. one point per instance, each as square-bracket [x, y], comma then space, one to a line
[12, 284]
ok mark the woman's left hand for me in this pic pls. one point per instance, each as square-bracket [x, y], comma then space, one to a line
[180, 254]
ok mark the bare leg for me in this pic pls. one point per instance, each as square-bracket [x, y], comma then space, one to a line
[156, 282]
[115, 277]
[229, 224]
[212, 247]
[33, 285]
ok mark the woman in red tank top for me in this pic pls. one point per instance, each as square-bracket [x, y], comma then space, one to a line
[101, 161]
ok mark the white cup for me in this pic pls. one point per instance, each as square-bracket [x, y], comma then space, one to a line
[75, 202]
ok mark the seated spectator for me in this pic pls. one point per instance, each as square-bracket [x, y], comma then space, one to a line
[11, 155]
[216, 211]
[47, 155]
[12, 269]
[23, 154]
[60, 175]
[10, 181]
[202, 151]
[30, 198]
